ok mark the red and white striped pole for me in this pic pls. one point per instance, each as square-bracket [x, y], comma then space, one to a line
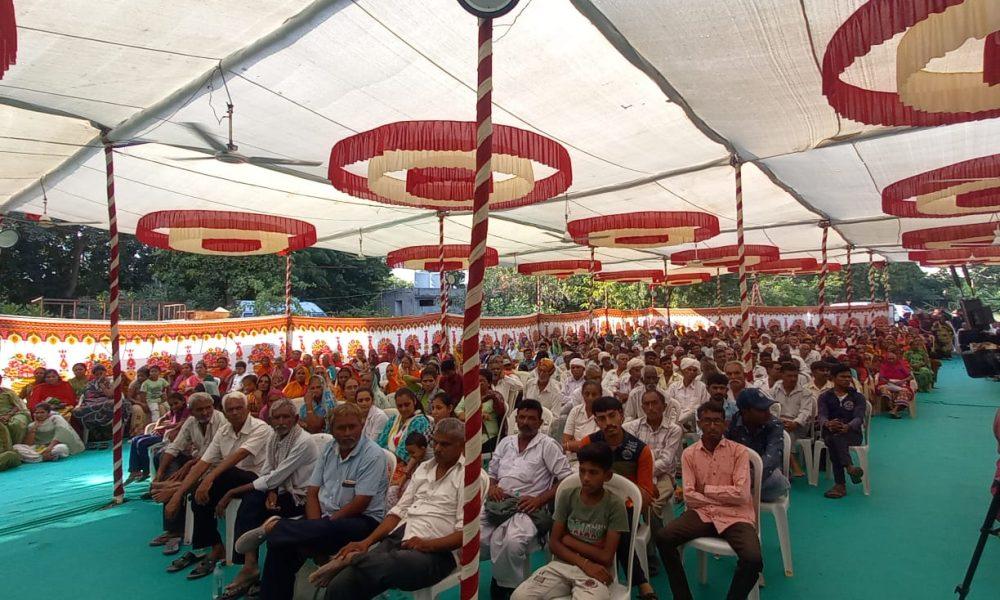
[871, 277]
[849, 286]
[885, 283]
[718, 288]
[741, 253]
[117, 424]
[288, 304]
[472, 495]
[593, 291]
[444, 284]
[824, 269]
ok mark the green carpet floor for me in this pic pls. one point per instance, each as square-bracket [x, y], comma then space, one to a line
[912, 538]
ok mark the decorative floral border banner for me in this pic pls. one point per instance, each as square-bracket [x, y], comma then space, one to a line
[27, 343]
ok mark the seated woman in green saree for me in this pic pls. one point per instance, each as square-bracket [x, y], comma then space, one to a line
[49, 437]
[13, 425]
[920, 365]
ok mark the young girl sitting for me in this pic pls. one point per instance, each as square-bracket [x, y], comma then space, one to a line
[416, 446]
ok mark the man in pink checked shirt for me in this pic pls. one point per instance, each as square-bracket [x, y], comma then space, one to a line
[716, 474]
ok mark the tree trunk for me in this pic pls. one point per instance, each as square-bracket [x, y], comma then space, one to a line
[76, 257]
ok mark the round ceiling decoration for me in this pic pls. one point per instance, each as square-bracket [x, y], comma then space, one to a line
[970, 187]
[8, 36]
[957, 256]
[789, 266]
[652, 276]
[725, 256]
[648, 229]
[558, 268]
[428, 258]
[223, 233]
[431, 164]
[954, 236]
[931, 29]
[681, 279]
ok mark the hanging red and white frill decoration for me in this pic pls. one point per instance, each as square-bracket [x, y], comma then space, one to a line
[224, 233]
[954, 236]
[649, 276]
[789, 266]
[725, 256]
[682, 279]
[560, 269]
[8, 36]
[650, 229]
[930, 29]
[438, 159]
[428, 258]
[985, 256]
[970, 187]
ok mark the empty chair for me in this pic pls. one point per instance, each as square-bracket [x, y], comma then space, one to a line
[779, 508]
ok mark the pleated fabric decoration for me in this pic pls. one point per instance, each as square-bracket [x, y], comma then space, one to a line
[725, 256]
[560, 269]
[931, 29]
[788, 266]
[970, 187]
[649, 229]
[955, 236]
[428, 258]
[956, 257]
[8, 36]
[653, 276]
[224, 233]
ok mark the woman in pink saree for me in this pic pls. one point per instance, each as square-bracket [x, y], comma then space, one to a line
[895, 383]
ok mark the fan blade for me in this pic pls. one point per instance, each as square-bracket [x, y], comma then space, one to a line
[128, 143]
[207, 137]
[207, 157]
[263, 160]
[75, 223]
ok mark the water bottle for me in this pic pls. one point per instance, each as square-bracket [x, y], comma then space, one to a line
[218, 581]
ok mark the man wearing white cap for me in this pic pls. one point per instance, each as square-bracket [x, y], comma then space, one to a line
[630, 380]
[575, 379]
[612, 377]
[607, 365]
[690, 392]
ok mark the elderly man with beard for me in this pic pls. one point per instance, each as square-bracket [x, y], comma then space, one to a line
[630, 380]
[524, 473]
[344, 502]
[279, 491]
[235, 456]
[420, 538]
[651, 380]
[544, 388]
[690, 392]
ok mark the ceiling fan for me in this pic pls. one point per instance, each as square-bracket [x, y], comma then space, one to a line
[44, 220]
[229, 152]
[8, 237]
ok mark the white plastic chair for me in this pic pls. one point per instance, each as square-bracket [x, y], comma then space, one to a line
[645, 534]
[627, 490]
[719, 546]
[860, 451]
[231, 510]
[779, 508]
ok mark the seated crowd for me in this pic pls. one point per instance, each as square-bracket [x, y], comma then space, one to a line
[358, 465]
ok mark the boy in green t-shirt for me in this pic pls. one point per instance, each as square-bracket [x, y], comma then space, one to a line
[151, 392]
[588, 523]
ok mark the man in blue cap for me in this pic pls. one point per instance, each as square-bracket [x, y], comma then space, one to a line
[756, 427]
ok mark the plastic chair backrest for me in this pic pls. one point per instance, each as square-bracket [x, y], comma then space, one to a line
[623, 488]
[787, 453]
[756, 470]
[321, 440]
[390, 458]
[868, 424]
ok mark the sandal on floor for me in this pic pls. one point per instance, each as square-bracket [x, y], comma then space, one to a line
[254, 592]
[172, 547]
[857, 476]
[183, 562]
[239, 591]
[161, 539]
[203, 569]
[835, 494]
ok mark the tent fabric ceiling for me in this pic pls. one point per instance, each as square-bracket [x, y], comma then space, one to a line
[649, 98]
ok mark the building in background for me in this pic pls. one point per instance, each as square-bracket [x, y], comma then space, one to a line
[423, 298]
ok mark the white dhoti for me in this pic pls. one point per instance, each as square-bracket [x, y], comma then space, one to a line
[509, 547]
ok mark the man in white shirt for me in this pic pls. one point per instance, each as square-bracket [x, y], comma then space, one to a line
[665, 440]
[524, 472]
[651, 380]
[820, 380]
[630, 380]
[574, 382]
[612, 377]
[807, 354]
[592, 373]
[544, 388]
[279, 491]
[508, 386]
[235, 456]
[344, 502]
[421, 536]
[690, 392]
[177, 459]
[798, 405]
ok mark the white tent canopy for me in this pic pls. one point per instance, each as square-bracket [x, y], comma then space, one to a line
[649, 98]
